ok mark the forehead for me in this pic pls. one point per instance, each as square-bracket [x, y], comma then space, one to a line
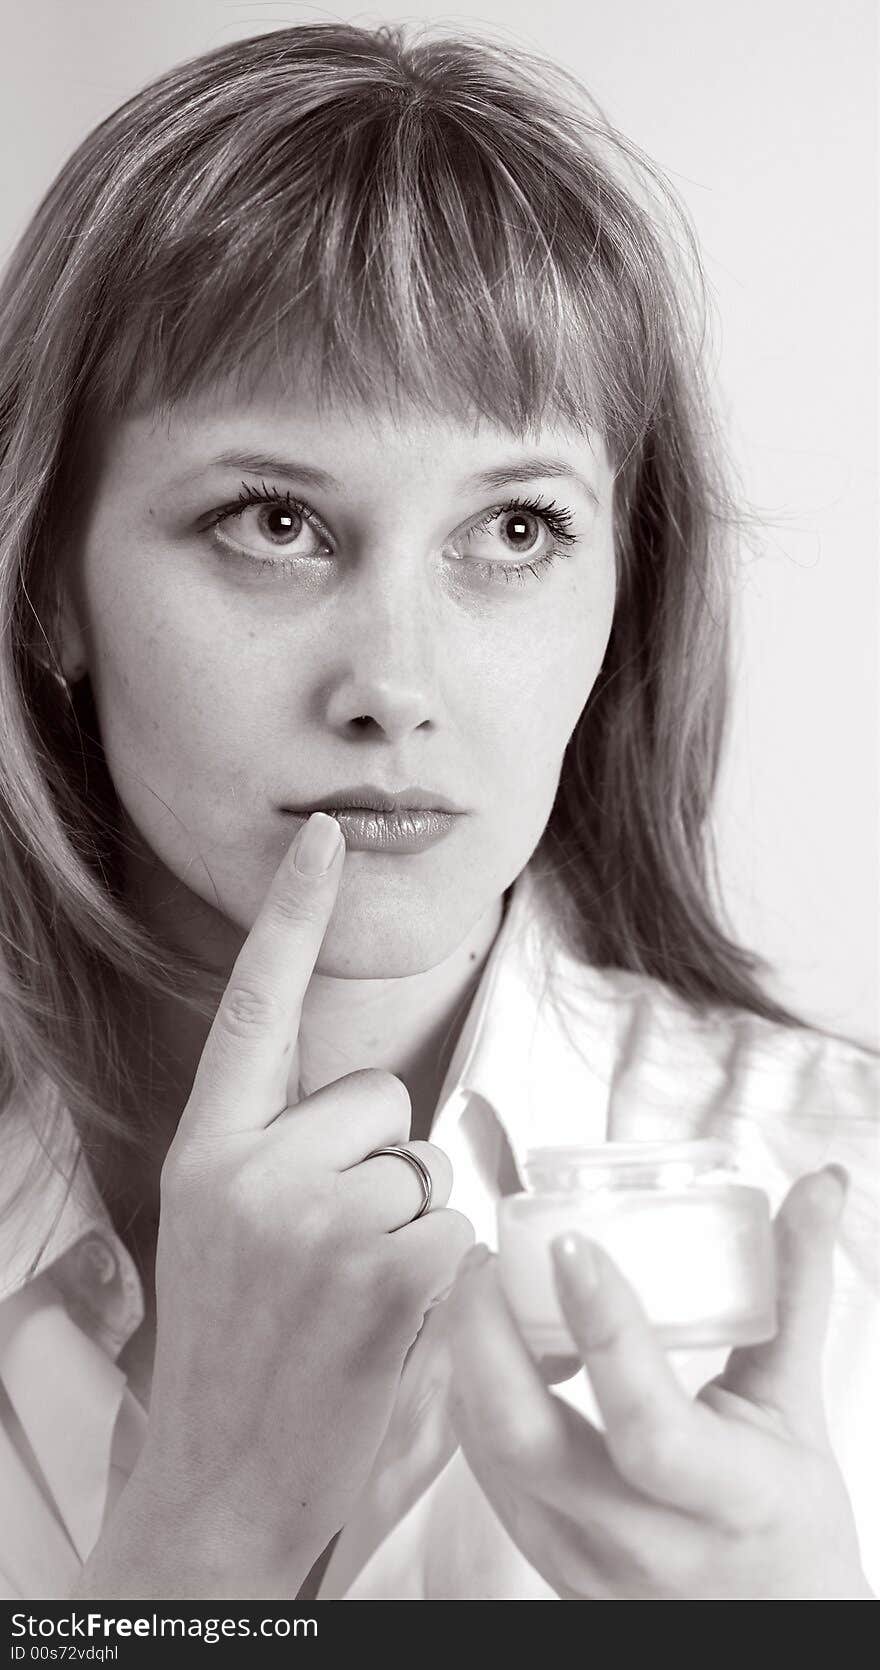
[288, 417]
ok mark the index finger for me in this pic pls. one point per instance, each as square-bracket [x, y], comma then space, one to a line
[241, 1079]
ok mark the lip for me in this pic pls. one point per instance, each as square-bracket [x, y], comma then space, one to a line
[406, 831]
[381, 820]
[368, 797]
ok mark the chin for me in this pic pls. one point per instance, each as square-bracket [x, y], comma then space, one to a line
[387, 949]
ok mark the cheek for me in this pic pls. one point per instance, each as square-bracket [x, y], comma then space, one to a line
[165, 693]
[193, 714]
[147, 680]
[546, 684]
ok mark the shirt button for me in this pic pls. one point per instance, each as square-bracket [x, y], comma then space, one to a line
[97, 1262]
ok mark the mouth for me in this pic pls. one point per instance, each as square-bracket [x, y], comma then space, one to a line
[373, 820]
[371, 830]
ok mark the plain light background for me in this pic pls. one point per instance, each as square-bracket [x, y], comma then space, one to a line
[763, 117]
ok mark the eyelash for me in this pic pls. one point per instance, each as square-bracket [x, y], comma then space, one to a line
[556, 518]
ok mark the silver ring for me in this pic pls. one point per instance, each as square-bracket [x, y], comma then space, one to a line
[419, 1168]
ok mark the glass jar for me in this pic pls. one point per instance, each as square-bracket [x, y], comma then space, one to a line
[694, 1242]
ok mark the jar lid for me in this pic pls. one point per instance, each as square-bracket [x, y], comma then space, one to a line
[669, 1162]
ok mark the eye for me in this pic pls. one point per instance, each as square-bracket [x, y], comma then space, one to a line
[518, 538]
[278, 523]
[522, 531]
[522, 536]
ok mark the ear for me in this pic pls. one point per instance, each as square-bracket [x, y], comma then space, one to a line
[71, 642]
[66, 630]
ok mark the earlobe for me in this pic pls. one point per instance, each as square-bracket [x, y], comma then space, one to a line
[68, 640]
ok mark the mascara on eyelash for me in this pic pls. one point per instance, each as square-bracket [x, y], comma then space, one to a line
[557, 519]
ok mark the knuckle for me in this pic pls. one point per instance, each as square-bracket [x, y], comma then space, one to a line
[758, 1508]
[318, 1225]
[455, 1232]
[246, 1193]
[248, 1010]
[507, 1438]
[377, 1298]
[650, 1451]
[401, 1286]
[178, 1179]
[611, 1332]
[397, 1275]
[452, 1236]
[422, 1281]
[682, 1567]
[438, 1163]
[679, 1566]
[392, 1091]
[296, 906]
[172, 1190]
[383, 1088]
[523, 1446]
[347, 1277]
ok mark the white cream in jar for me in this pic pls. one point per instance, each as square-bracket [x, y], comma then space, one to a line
[695, 1243]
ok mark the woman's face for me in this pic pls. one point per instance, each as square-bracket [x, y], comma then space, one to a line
[371, 632]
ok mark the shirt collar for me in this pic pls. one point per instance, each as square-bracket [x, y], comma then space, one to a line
[54, 1224]
[530, 1049]
[536, 1046]
[48, 1196]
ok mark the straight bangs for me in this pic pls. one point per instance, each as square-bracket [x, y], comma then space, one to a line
[406, 241]
[391, 218]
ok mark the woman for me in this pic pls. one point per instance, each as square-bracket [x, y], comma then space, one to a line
[356, 454]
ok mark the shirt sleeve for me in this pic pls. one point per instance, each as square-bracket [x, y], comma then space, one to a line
[851, 1363]
[797, 1101]
[786, 1101]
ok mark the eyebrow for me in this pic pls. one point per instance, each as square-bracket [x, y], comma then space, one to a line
[525, 468]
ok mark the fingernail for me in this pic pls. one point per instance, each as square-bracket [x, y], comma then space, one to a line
[554, 1369]
[317, 845]
[840, 1173]
[576, 1260]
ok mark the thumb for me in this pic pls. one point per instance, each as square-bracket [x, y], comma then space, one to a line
[784, 1374]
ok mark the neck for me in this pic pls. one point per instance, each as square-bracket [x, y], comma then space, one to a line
[408, 1025]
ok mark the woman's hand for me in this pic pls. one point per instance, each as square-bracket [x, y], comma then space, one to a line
[291, 1282]
[733, 1496]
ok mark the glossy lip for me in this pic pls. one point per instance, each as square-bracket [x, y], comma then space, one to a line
[367, 797]
[411, 829]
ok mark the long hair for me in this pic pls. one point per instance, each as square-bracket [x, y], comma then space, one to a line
[459, 213]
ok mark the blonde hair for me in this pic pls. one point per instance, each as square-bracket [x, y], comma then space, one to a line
[457, 212]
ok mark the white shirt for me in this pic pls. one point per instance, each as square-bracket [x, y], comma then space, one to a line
[552, 1051]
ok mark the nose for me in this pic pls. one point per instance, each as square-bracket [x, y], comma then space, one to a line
[384, 677]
